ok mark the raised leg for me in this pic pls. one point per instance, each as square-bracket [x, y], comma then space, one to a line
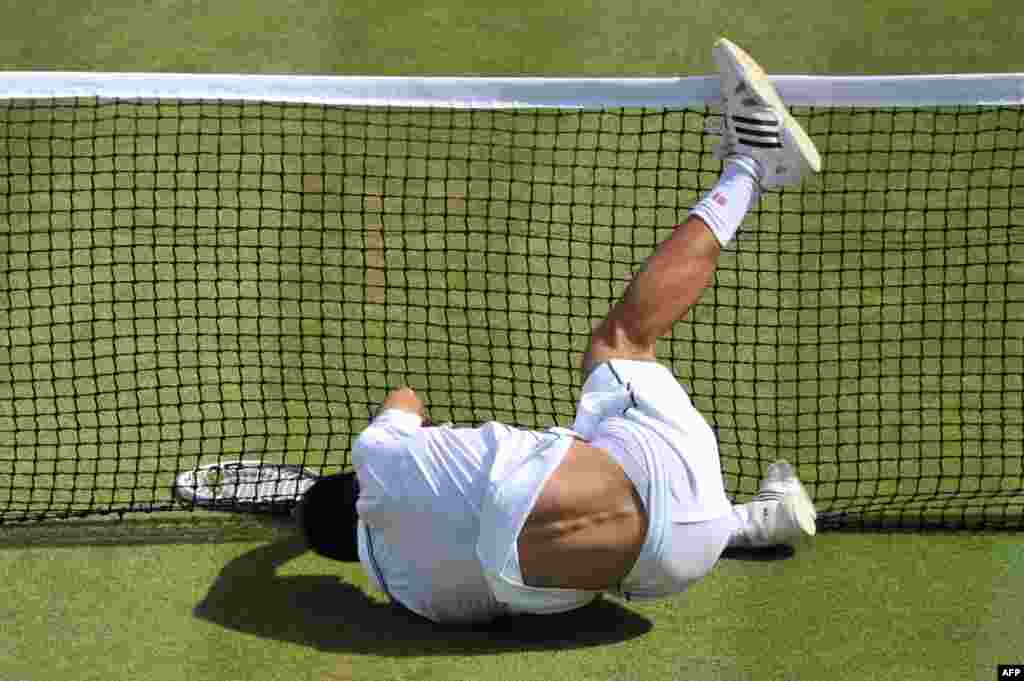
[763, 147]
[660, 294]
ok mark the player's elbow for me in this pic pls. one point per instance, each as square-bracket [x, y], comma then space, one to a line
[404, 398]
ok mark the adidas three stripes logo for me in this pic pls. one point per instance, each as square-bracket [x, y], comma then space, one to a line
[770, 495]
[755, 132]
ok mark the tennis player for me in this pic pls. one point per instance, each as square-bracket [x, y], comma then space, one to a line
[469, 524]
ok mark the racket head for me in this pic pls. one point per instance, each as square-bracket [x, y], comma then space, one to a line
[243, 485]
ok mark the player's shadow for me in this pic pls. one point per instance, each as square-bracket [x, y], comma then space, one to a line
[767, 554]
[329, 614]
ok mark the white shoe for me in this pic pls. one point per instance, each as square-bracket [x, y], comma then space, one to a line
[782, 513]
[757, 124]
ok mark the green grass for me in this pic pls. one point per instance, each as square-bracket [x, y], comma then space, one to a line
[939, 607]
[124, 601]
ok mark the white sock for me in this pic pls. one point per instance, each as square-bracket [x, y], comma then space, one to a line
[725, 206]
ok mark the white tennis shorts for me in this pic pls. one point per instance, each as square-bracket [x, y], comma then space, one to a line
[640, 414]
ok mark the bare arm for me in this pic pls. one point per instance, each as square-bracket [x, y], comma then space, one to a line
[661, 294]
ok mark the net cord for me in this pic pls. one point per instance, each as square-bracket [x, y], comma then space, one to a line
[515, 93]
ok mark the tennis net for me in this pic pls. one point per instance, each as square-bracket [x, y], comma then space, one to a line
[198, 268]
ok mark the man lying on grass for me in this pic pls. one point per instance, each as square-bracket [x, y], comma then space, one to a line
[469, 524]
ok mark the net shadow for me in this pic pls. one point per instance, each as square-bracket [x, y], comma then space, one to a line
[220, 528]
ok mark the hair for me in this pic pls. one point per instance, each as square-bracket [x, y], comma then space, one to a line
[327, 514]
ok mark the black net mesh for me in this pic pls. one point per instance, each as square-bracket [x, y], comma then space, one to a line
[185, 281]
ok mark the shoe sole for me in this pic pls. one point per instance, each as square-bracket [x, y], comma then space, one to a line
[797, 501]
[729, 55]
[802, 509]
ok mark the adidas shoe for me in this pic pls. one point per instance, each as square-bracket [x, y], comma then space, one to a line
[782, 513]
[757, 124]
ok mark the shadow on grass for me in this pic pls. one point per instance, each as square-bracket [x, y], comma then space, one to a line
[326, 613]
[767, 554]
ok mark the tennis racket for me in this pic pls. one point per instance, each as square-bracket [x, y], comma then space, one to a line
[243, 485]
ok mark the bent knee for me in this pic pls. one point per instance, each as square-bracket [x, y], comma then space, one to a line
[611, 341]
